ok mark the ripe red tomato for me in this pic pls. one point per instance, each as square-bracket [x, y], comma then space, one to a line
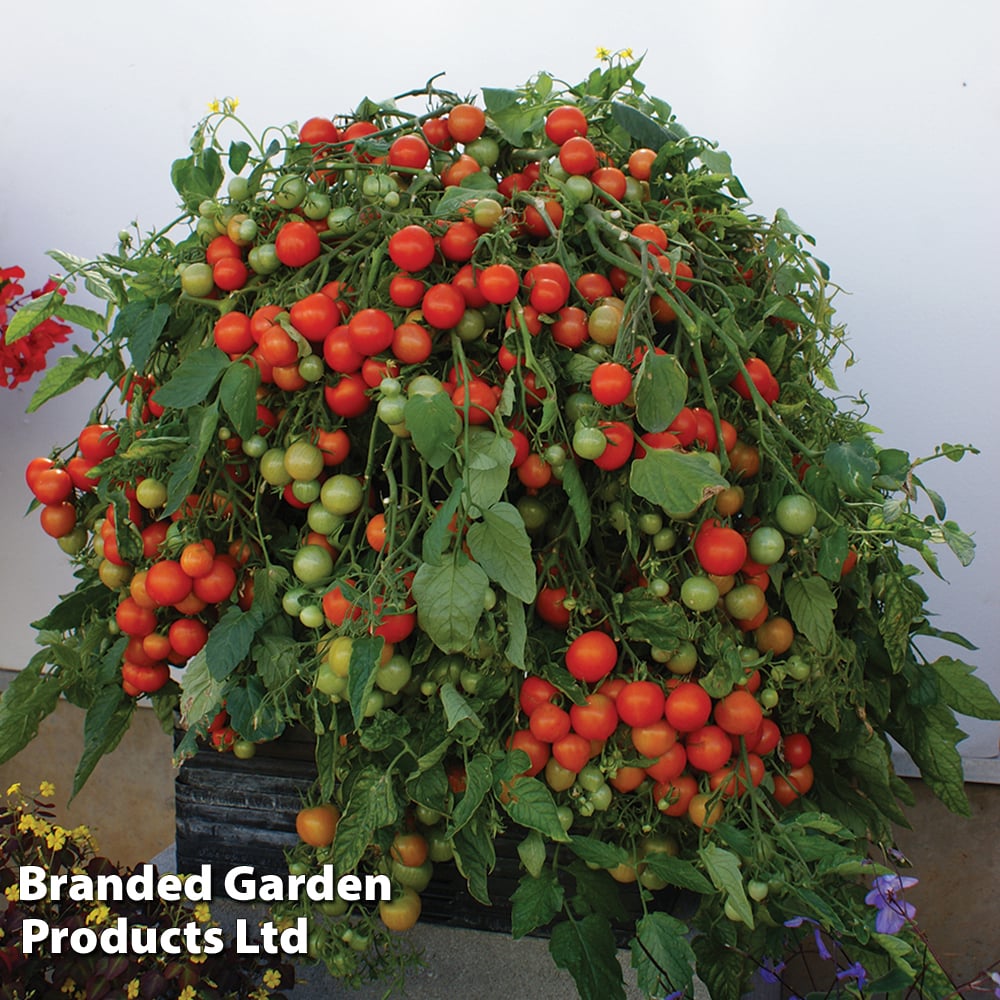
[443, 306]
[411, 344]
[97, 442]
[318, 130]
[297, 244]
[412, 248]
[167, 583]
[564, 122]
[738, 713]
[370, 331]
[708, 748]
[548, 722]
[572, 752]
[498, 283]
[591, 656]
[788, 788]
[550, 607]
[466, 122]
[610, 383]
[597, 719]
[620, 442]
[314, 316]
[138, 679]
[459, 241]
[187, 636]
[535, 691]
[537, 750]
[640, 703]
[409, 151]
[760, 375]
[53, 485]
[232, 333]
[688, 707]
[796, 748]
[720, 551]
[578, 155]
[655, 739]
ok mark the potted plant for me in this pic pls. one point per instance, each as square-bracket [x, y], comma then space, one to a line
[496, 446]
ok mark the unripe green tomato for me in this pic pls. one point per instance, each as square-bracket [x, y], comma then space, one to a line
[489, 599]
[797, 668]
[244, 749]
[289, 191]
[648, 879]
[590, 778]
[732, 913]
[312, 368]
[272, 467]
[374, 704]
[394, 675]
[650, 523]
[335, 907]
[795, 514]
[633, 190]
[658, 655]
[342, 494]
[589, 442]
[329, 683]
[766, 546]
[664, 539]
[556, 170]
[254, 446]
[699, 593]
[471, 326]
[659, 588]
[580, 405]
[426, 816]
[238, 188]
[342, 221]
[439, 847]
[428, 688]
[533, 512]
[205, 228]
[684, 660]
[291, 601]
[768, 697]
[566, 817]
[424, 385]
[316, 205]
[247, 232]
[209, 208]
[306, 490]
[322, 520]
[600, 798]
[75, 542]
[757, 890]
[312, 564]
[580, 188]
[311, 616]
[555, 455]
[391, 409]
[417, 877]
[263, 259]
[390, 386]
[484, 150]
[197, 280]
[487, 213]
[303, 460]
[151, 493]
[617, 517]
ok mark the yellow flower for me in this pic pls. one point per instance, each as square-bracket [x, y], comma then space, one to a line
[215, 107]
[13, 893]
[272, 979]
[68, 987]
[46, 789]
[132, 990]
[56, 838]
[14, 789]
[231, 104]
[626, 54]
[188, 993]
[99, 914]
[202, 913]
[198, 959]
[260, 994]
[602, 53]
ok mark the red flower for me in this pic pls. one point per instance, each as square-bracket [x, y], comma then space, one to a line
[26, 356]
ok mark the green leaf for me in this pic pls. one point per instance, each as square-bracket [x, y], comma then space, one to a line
[959, 542]
[723, 869]
[193, 379]
[238, 397]
[365, 655]
[203, 422]
[107, 721]
[31, 314]
[853, 466]
[579, 500]
[500, 544]
[721, 969]
[230, 641]
[812, 604]
[661, 955]
[586, 949]
[487, 467]
[253, 714]
[277, 657]
[597, 852]
[475, 857]
[536, 900]
[201, 693]
[433, 424]
[139, 324]
[67, 373]
[517, 632]
[354, 831]
[69, 611]
[660, 391]
[596, 892]
[530, 804]
[962, 691]
[29, 698]
[450, 601]
[833, 549]
[515, 120]
[532, 853]
[456, 709]
[429, 787]
[641, 127]
[716, 160]
[648, 619]
[903, 604]
[239, 154]
[438, 535]
[677, 872]
[478, 782]
[81, 316]
[676, 481]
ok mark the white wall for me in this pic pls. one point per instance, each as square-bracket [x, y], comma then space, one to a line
[874, 124]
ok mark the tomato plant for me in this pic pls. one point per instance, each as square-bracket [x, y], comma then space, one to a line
[480, 441]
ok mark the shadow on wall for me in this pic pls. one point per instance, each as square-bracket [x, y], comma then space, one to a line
[128, 801]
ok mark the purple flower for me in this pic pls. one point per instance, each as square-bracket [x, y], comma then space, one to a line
[821, 947]
[856, 971]
[885, 894]
[770, 970]
[676, 995]
[995, 976]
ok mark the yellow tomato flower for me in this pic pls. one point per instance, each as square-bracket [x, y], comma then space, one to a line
[46, 789]
[602, 53]
[626, 54]
[132, 990]
[231, 104]
[214, 107]
[14, 789]
[188, 993]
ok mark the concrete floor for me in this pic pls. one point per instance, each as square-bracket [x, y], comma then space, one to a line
[129, 804]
